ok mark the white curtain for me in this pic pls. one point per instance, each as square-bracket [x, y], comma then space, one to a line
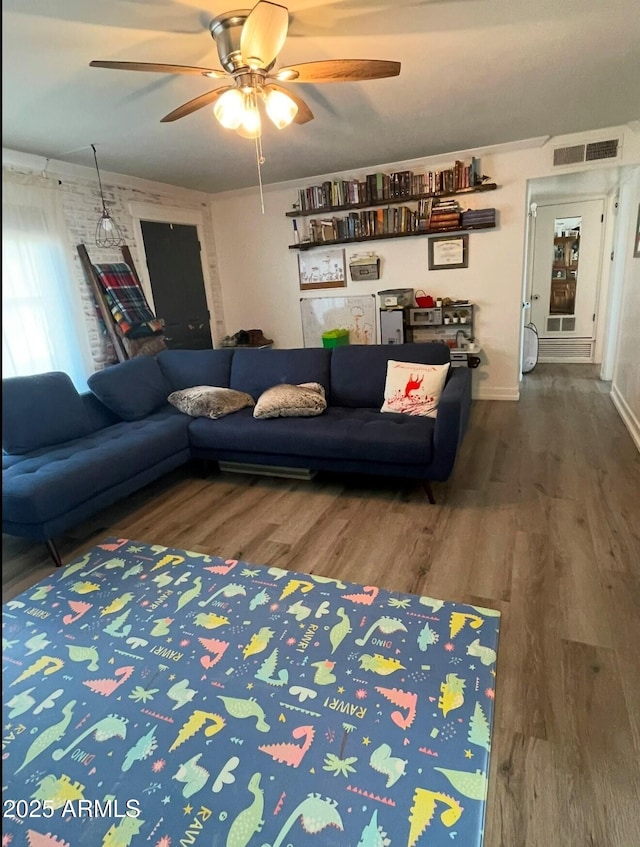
[43, 324]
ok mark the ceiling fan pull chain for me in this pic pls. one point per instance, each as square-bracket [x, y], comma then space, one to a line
[260, 162]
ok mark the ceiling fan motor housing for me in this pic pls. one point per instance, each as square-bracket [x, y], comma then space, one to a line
[226, 31]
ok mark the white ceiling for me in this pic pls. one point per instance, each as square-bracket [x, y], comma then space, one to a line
[474, 73]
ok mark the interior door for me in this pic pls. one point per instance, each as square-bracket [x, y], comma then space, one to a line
[565, 276]
[177, 283]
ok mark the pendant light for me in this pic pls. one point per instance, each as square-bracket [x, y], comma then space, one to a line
[108, 232]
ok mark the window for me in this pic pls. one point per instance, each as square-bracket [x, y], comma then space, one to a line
[43, 325]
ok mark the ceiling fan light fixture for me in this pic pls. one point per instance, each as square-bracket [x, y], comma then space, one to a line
[229, 109]
[251, 124]
[280, 108]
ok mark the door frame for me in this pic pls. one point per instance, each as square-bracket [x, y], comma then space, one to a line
[600, 327]
[171, 215]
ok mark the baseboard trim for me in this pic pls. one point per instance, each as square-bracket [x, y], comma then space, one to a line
[267, 470]
[497, 394]
[628, 418]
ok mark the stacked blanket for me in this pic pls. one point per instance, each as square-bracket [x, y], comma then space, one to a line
[127, 302]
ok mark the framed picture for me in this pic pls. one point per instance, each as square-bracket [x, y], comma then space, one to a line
[448, 251]
[321, 269]
[560, 274]
[636, 247]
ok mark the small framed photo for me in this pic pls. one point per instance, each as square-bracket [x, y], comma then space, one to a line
[321, 269]
[448, 251]
[560, 274]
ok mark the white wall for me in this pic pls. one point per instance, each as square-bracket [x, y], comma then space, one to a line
[82, 208]
[260, 279]
[625, 387]
[254, 277]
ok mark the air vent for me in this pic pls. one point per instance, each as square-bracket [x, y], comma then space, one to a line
[565, 350]
[602, 150]
[594, 151]
[568, 155]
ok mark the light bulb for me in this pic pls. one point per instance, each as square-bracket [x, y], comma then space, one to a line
[229, 109]
[107, 223]
[280, 108]
[251, 126]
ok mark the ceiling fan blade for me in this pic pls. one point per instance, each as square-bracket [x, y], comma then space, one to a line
[304, 114]
[195, 104]
[339, 70]
[159, 68]
[263, 34]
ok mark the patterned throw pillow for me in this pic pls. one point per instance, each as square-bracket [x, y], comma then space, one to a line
[291, 401]
[209, 401]
[413, 389]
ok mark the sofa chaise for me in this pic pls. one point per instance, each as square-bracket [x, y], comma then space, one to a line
[67, 455]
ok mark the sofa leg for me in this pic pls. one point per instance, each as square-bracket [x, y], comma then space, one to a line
[53, 552]
[428, 491]
[205, 468]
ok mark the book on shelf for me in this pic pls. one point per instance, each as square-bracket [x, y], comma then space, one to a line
[328, 230]
[479, 213]
[475, 217]
[445, 206]
[453, 220]
[450, 216]
[379, 187]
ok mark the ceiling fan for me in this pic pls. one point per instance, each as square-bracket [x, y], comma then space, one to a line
[248, 42]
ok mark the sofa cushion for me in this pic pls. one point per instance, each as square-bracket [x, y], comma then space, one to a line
[413, 389]
[255, 370]
[132, 389]
[186, 368]
[339, 433]
[209, 401]
[291, 401]
[358, 372]
[41, 410]
[52, 481]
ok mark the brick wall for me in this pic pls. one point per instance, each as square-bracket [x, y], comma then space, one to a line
[82, 209]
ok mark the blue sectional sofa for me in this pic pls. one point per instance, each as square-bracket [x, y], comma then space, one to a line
[67, 455]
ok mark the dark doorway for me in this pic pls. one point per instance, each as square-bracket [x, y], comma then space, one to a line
[175, 271]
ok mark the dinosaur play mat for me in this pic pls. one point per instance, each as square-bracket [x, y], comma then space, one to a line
[158, 697]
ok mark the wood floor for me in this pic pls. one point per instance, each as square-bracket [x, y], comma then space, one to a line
[541, 520]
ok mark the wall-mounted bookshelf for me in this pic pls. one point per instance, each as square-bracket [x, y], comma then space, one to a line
[376, 206]
[411, 198]
[308, 245]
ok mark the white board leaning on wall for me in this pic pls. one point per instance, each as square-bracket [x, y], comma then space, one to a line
[321, 314]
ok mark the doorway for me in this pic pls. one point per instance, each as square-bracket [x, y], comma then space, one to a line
[175, 272]
[565, 279]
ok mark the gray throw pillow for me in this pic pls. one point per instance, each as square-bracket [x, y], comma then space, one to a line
[209, 401]
[291, 401]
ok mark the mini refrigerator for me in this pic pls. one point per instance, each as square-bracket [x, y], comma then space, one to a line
[394, 326]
